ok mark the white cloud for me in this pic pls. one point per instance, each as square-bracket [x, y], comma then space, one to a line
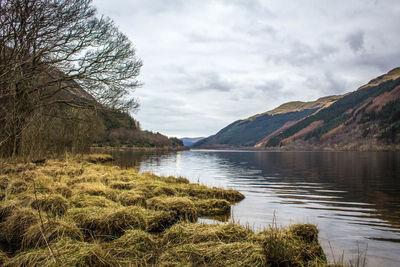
[208, 63]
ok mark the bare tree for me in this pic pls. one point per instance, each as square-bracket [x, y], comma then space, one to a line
[56, 52]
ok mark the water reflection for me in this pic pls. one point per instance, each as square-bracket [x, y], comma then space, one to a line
[354, 197]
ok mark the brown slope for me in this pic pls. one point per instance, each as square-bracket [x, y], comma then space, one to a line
[365, 129]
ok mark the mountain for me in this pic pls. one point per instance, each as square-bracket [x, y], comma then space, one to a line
[250, 131]
[366, 119]
[190, 141]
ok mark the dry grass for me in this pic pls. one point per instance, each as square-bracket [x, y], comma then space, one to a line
[185, 233]
[98, 158]
[15, 226]
[207, 207]
[214, 254]
[135, 248]
[92, 214]
[85, 200]
[53, 230]
[54, 204]
[182, 207]
[69, 253]
[292, 247]
[131, 199]
[3, 258]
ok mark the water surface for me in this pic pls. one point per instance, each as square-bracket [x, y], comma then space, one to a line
[353, 197]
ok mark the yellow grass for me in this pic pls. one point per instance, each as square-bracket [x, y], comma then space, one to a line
[74, 212]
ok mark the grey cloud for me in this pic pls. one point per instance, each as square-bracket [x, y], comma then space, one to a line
[270, 86]
[383, 62]
[212, 81]
[328, 83]
[356, 41]
[300, 54]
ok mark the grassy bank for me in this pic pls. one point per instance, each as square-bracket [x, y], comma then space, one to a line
[105, 149]
[79, 212]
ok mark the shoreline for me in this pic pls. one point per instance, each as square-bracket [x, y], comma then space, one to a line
[91, 213]
[139, 149]
[388, 148]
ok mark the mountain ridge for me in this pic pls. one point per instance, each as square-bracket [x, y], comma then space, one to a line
[365, 119]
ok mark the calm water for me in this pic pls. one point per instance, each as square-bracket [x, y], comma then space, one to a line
[353, 197]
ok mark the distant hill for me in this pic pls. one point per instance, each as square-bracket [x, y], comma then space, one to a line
[190, 141]
[117, 128]
[120, 129]
[250, 131]
[366, 119]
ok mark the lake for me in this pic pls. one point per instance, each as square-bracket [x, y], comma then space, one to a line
[353, 197]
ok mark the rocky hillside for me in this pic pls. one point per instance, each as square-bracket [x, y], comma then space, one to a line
[366, 119]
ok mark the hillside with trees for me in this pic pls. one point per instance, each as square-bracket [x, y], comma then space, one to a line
[65, 74]
[250, 131]
[366, 119]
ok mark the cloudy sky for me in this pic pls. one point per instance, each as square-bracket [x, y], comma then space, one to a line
[208, 63]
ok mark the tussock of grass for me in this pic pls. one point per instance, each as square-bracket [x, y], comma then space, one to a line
[17, 186]
[164, 191]
[86, 178]
[36, 235]
[204, 192]
[10, 168]
[69, 253]
[54, 204]
[95, 189]
[7, 208]
[174, 180]
[182, 207]
[4, 181]
[107, 222]
[306, 232]
[292, 247]
[110, 223]
[184, 233]
[131, 199]
[85, 200]
[122, 185]
[16, 224]
[3, 258]
[135, 248]
[101, 215]
[207, 207]
[98, 158]
[62, 189]
[214, 254]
